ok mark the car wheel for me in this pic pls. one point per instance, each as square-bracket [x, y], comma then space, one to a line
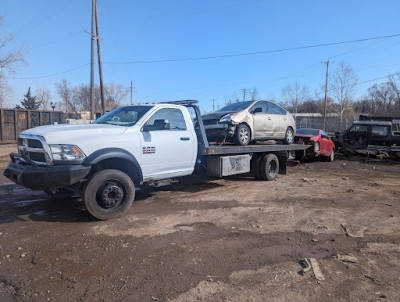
[108, 194]
[331, 157]
[289, 136]
[269, 167]
[242, 135]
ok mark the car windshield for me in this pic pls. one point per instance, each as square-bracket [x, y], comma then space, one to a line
[124, 116]
[235, 107]
[313, 132]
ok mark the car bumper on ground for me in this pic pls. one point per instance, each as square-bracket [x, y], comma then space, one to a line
[49, 177]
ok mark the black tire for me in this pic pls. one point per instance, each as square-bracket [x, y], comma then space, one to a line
[108, 194]
[59, 193]
[331, 156]
[269, 167]
[255, 166]
[289, 136]
[242, 135]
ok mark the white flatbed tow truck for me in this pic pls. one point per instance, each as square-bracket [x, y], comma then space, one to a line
[129, 146]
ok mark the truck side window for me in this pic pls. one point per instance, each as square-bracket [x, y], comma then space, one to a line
[379, 131]
[172, 115]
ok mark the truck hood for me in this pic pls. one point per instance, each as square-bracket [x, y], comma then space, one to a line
[68, 134]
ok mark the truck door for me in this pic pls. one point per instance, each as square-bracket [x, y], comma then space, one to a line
[380, 135]
[168, 146]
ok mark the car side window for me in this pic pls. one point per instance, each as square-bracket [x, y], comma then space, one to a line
[262, 105]
[172, 115]
[274, 109]
[323, 133]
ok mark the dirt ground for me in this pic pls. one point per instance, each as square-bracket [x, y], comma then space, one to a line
[203, 239]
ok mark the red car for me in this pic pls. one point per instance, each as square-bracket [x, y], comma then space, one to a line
[322, 145]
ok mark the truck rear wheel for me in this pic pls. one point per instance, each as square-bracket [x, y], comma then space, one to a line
[255, 166]
[269, 167]
[108, 194]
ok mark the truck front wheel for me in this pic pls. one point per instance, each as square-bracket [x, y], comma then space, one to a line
[108, 193]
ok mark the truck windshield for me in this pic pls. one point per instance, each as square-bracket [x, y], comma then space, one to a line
[124, 116]
[235, 107]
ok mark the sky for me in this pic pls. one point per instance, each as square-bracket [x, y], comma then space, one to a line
[203, 50]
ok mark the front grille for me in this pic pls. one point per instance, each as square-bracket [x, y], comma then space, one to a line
[32, 143]
[210, 122]
[34, 150]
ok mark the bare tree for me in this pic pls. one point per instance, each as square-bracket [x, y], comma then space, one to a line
[114, 95]
[66, 94]
[382, 99]
[253, 93]
[10, 58]
[43, 95]
[343, 84]
[294, 95]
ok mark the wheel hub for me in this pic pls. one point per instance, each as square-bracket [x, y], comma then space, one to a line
[111, 195]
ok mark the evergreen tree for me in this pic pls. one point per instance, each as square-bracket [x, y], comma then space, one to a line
[29, 102]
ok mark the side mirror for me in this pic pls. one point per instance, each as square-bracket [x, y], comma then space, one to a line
[158, 125]
[257, 110]
[324, 136]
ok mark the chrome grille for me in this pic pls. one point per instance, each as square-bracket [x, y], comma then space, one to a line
[34, 150]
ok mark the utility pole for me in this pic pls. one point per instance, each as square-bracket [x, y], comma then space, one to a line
[244, 94]
[92, 107]
[131, 91]
[103, 106]
[326, 90]
[213, 105]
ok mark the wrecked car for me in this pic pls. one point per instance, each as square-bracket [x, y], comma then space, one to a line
[375, 134]
[250, 121]
[322, 144]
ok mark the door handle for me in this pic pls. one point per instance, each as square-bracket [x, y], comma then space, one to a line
[185, 138]
[269, 118]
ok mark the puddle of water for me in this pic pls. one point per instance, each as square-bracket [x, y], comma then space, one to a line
[182, 227]
[25, 203]
[39, 213]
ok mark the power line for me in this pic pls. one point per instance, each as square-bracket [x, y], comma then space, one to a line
[256, 52]
[53, 74]
[222, 56]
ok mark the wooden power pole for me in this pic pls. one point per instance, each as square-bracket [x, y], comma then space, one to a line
[103, 107]
[326, 90]
[92, 107]
[93, 36]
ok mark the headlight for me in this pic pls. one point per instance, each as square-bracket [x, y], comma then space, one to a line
[227, 118]
[66, 152]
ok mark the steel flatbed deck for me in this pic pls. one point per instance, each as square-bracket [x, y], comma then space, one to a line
[258, 148]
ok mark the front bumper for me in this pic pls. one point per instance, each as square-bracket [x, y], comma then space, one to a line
[48, 177]
[219, 131]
